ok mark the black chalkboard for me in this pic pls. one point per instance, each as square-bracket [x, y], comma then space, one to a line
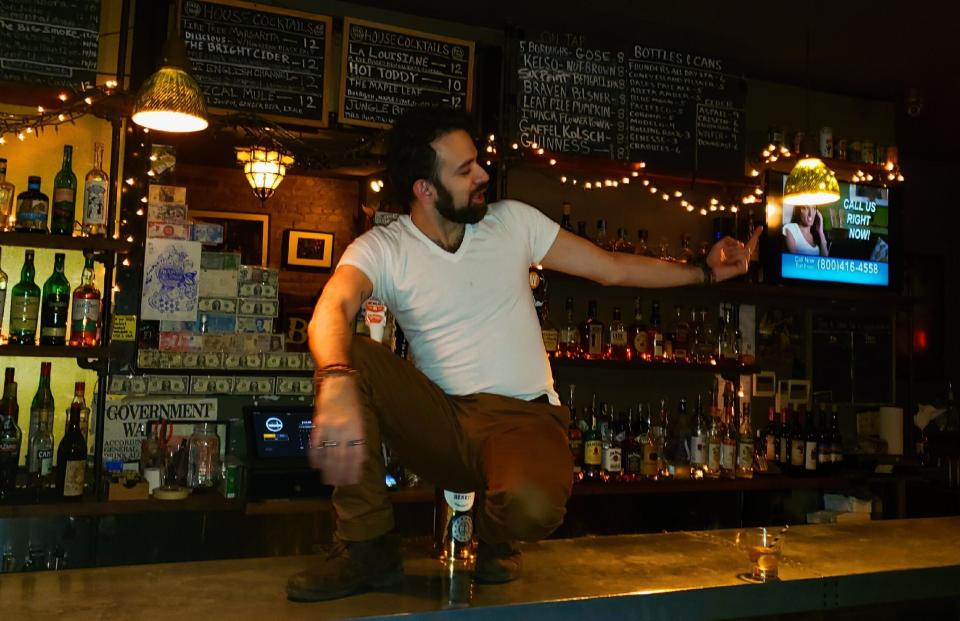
[386, 69]
[677, 111]
[52, 42]
[260, 59]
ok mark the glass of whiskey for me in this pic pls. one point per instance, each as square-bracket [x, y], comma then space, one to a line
[764, 547]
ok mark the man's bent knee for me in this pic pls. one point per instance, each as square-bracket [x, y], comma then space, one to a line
[530, 513]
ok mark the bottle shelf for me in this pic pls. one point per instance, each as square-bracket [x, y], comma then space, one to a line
[62, 242]
[90, 506]
[723, 368]
[53, 351]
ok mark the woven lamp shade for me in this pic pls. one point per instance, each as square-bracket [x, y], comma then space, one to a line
[811, 183]
[170, 101]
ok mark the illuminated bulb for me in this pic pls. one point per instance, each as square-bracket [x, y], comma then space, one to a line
[140, 212]
[130, 239]
[634, 174]
[643, 164]
[574, 182]
[734, 209]
[785, 151]
[489, 149]
[40, 109]
[754, 172]
[125, 263]
[553, 162]
[869, 177]
[146, 130]
[87, 101]
[766, 153]
[4, 141]
[489, 162]
[61, 118]
[29, 130]
[111, 84]
[773, 158]
[665, 196]
[684, 203]
[150, 173]
[703, 211]
[587, 185]
[539, 151]
[62, 96]
[21, 136]
[891, 177]
[899, 177]
[563, 179]
[714, 201]
[889, 166]
[771, 147]
[625, 180]
[713, 207]
[130, 181]
[491, 138]
[653, 190]
[143, 199]
[678, 193]
[515, 146]
[534, 146]
[607, 183]
[615, 184]
[723, 207]
[690, 208]
[376, 185]
[646, 182]
[758, 191]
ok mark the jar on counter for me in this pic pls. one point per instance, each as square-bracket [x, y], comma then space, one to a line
[204, 464]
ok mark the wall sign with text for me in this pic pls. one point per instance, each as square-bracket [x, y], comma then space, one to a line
[260, 59]
[386, 69]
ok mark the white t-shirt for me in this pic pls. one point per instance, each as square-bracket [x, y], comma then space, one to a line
[803, 246]
[468, 316]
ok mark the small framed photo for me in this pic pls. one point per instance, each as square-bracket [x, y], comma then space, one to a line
[307, 250]
[765, 384]
[246, 233]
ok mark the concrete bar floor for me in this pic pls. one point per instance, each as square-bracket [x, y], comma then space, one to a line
[683, 575]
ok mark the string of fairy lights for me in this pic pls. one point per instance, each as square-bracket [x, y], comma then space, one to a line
[74, 103]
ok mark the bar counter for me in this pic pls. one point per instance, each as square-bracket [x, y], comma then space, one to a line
[682, 575]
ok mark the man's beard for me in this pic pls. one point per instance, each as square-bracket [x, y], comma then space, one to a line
[471, 214]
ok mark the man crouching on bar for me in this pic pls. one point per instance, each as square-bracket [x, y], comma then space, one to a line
[479, 411]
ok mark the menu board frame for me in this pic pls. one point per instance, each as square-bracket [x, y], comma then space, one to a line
[324, 121]
[349, 21]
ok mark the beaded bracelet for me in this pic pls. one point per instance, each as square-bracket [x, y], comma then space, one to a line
[333, 370]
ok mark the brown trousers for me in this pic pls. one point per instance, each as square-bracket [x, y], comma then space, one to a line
[513, 452]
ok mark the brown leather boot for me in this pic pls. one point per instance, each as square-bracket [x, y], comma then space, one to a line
[350, 567]
[498, 562]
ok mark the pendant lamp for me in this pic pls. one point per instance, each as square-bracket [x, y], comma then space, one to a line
[811, 183]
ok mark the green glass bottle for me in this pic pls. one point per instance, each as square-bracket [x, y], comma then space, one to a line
[62, 215]
[25, 305]
[54, 305]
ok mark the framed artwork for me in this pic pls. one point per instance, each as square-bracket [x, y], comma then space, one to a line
[246, 233]
[307, 250]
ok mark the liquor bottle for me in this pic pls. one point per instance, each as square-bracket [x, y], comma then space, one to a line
[72, 456]
[695, 344]
[824, 446]
[81, 403]
[33, 206]
[686, 254]
[25, 305]
[797, 442]
[784, 443]
[548, 332]
[770, 437]
[655, 334]
[54, 305]
[637, 334]
[618, 345]
[622, 244]
[8, 378]
[714, 444]
[565, 222]
[569, 345]
[10, 439]
[4, 280]
[728, 442]
[40, 452]
[63, 214]
[708, 352]
[42, 404]
[582, 229]
[836, 440]
[658, 431]
[611, 437]
[699, 441]
[745, 444]
[680, 441]
[669, 336]
[7, 193]
[95, 187]
[592, 450]
[681, 338]
[632, 452]
[728, 341]
[642, 248]
[603, 238]
[591, 334]
[648, 445]
[575, 438]
[453, 523]
[538, 285]
[811, 444]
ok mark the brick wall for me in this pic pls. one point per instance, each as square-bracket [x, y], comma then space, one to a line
[300, 202]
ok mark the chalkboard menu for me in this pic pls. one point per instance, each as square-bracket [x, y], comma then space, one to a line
[51, 42]
[254, 58]
[678, 111]
[387, 69]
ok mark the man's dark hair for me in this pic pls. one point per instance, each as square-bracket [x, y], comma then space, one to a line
[409, 154]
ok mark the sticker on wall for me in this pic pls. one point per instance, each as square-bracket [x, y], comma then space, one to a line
[170, 280]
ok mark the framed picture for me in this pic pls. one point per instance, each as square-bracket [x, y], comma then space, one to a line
[246, 233]
[307, 250]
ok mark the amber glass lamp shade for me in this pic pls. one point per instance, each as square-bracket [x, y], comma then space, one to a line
[264, 167]
[811, 183]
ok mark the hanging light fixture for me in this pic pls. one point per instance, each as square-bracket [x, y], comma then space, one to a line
[811, 183]
[170, 100]
[264, 166]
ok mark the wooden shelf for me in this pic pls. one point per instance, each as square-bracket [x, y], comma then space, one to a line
[90, 507]
[53, 351]
[722, 368]
[62, 242]
[759, 483]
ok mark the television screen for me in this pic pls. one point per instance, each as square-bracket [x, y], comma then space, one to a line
[282, 432]
[847, 241]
